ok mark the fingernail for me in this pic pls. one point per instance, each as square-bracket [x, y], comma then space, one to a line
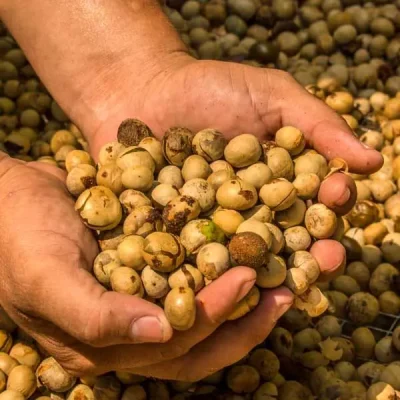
[245, 289]
[148, 330]
[343, 198]
[366, 146]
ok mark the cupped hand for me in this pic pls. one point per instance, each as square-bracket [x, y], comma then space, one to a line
[47, 289]
[234, 99]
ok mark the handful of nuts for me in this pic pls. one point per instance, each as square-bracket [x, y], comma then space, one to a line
[173, 216]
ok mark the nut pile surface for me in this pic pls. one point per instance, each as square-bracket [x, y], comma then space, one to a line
[173, 216]
[169, 221]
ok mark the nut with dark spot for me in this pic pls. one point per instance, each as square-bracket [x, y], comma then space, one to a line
[363, 213]
[177, 145]
[163, 251]
[131, 131]
[180, 308]
[179, 211]
[127, 281]
[80, 178]
[237, 195]
[51, 375]
[186, 276]
[210, 144]
[142, 221]
[248, 249]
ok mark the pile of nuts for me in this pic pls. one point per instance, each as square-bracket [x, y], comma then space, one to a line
[171, 217]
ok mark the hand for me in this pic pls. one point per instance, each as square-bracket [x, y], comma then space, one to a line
[235, 99]
[47, 289]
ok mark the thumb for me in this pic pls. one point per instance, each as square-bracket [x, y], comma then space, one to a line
[83, 309]
[324, 129]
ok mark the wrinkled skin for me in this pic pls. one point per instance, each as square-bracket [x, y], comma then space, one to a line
[47, 252]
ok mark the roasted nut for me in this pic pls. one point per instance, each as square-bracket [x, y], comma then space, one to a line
[110, 176]
[154, 147]
[163, 193]
[243, 379]
[296, 238]
[307, 185]
[311, 163]
[294, 215]
[131, 131]
[363, 308]
[171, 175]
[80, 178]
[248, 249]
[200, 190]
[227, 220]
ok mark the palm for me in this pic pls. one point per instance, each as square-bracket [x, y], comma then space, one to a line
[41, 223]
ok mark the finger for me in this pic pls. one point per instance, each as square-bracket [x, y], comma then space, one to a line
[338, 192]
[85, 310]
[325, 130]
[331, 257]
[214, 304]
[229, 344]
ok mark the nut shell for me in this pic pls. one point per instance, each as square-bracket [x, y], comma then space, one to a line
[248, 249]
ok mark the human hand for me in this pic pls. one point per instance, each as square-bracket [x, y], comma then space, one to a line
[45, 261]
[235, 99]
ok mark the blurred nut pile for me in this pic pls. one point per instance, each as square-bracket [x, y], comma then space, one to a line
[178, 213]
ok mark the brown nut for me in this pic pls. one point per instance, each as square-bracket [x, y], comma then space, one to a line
[177, 145]
[261, 229]
[237, 195]
[180, 308]
[362, 214]
[163, 251]
[179, 211]
[312, 301]
[131, 131]
[248, 249]
[99, 208]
